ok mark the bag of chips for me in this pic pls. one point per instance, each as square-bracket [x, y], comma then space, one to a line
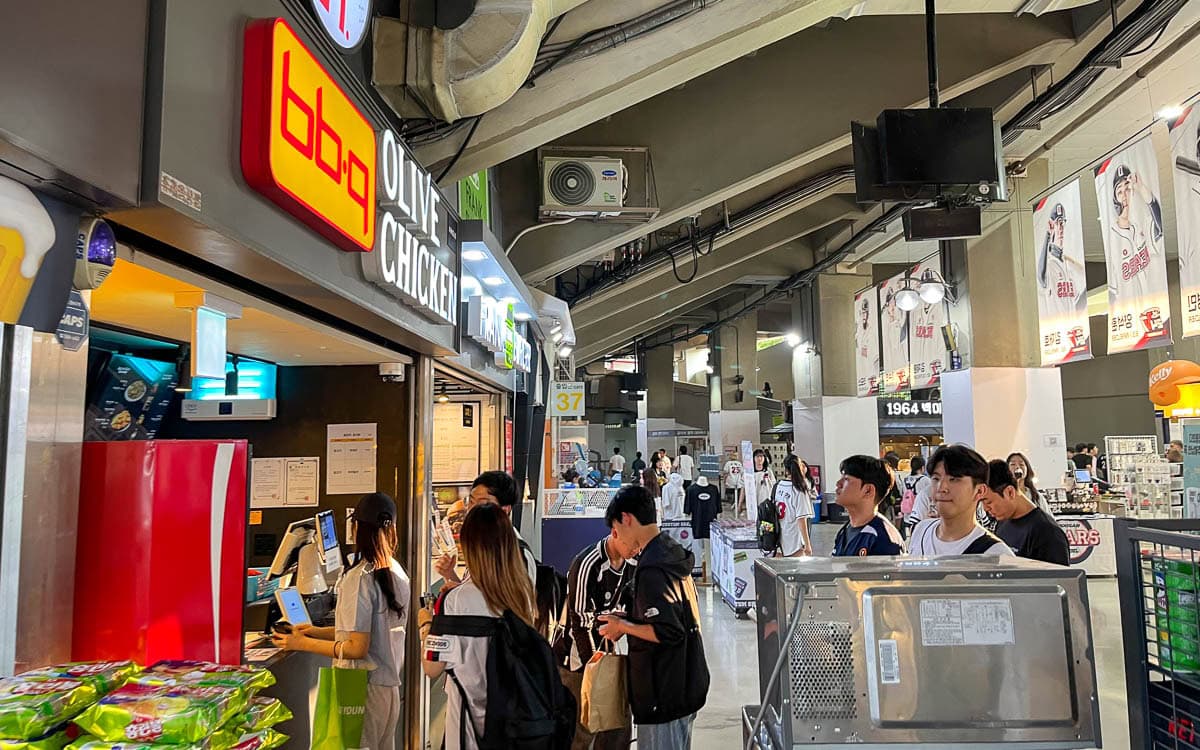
[264, 740]
[56, 739]
[32, 706]
[166, 714]
[184, 672]
[264, 713]
[91, 743]
[106, 675]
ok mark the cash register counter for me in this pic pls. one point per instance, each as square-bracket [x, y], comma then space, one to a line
[295, 685]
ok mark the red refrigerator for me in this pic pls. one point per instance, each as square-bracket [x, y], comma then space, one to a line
[160, 559]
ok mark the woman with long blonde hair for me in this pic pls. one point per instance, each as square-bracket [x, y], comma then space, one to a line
[496, 582]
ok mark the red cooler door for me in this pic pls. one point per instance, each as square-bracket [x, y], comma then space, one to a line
[160, 560]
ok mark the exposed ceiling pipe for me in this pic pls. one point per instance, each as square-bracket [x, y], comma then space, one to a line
[636, 27]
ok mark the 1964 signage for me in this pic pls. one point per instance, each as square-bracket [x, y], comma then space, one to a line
[307, 147]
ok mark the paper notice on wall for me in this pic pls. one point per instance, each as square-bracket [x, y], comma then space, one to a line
[350, 457]
[1127, 190]
[284, 482]
[966, 622]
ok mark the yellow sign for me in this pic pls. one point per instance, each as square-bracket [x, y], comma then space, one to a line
[256, 518]
[567, 399]
[304, 143]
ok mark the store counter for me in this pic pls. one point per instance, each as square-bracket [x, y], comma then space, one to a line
[572, 518]
[1093, 546]
[296, 674]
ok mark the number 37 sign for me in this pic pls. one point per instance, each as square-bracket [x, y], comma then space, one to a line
[566, 400]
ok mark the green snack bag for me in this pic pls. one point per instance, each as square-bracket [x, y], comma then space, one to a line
[168, 714]
[57, 739]
[264, 713]
[182, 672]
[91, 743]
[106, 675]
[264, 740]
[31, 707]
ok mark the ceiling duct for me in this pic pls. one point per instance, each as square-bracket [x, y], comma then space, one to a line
[465, 71]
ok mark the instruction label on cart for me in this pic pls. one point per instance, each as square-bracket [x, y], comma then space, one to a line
[966, 622]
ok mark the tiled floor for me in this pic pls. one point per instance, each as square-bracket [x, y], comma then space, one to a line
[731, 646]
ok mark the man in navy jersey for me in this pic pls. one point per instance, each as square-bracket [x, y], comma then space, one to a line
[865, 481]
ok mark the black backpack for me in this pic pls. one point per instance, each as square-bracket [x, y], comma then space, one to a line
[768, 523]
[550, 593]
[528, 708]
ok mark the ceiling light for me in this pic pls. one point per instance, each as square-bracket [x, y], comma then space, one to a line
[470, 282]
[907, 298]
[793, 339]
[510, 300]
[474, 255]
[522, 316]
[493, 280]
[932, 292]
[557, 337]
[443, 398]
[556, 328]
[564, 352]
[1170, 113]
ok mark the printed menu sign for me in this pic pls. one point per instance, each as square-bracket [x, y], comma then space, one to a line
[130, 400]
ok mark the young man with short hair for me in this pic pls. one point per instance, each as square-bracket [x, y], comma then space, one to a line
[1022, 525]
[496, 488]
[638, 464]
[616, 464]
[959, 477]
[865, 481]
[685, 466]
[669, 675]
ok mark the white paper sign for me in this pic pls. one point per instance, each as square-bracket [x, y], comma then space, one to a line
[350, 456]
[284, 482]
[966, 622]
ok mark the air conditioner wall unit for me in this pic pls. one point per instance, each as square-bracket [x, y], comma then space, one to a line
[228, 410]
[581, 184]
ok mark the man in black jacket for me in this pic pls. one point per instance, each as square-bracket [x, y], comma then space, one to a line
[668, 674]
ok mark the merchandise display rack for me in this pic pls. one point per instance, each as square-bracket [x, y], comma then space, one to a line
[1158, 579]
[1136, 471]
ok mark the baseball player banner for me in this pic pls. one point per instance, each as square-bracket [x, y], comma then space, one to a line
[1139, 311]
[893, 325]
[866, 341]
[927, 348]
[1185, 166]
[1061, 277]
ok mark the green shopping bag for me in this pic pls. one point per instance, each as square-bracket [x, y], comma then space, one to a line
[341, 706]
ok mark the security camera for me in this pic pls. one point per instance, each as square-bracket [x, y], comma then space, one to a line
[391, 372]
[95, 253]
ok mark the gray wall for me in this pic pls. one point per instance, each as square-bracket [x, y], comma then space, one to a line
[691, 405]
[72, 82]
[1107, 395]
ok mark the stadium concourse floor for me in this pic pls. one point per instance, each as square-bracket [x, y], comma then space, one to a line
[731, 646]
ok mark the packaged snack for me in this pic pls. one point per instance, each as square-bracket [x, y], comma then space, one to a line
[264, 713]
[264, 740]
[185, 672]
[106, 675]
[32, 706]
[166, 714]
[91, 743]
[56, 739]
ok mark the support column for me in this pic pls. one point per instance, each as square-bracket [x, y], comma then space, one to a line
[1004, 401]
[658, 365]
[830, 423]
[734, 353]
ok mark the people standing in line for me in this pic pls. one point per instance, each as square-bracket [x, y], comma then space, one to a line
[959, 476]
[370, 620]
[638, 465]
[491, 488]
[1026, 480]
[1083, 457]
[685, 466]
[616, 464]
[864, 482]
[764, 477]
[731, 478]
[1028, 530]
[673, 497]
[793, 497]
[669, 675]
[597, 583]
[493, 585]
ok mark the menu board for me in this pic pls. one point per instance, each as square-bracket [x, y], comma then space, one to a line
[456, 442]
[130, 398]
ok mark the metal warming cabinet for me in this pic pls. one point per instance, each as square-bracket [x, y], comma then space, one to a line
[955, 652]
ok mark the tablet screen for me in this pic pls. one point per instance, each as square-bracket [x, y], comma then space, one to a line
[292, 606]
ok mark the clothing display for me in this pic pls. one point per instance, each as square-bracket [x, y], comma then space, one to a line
[732, 472]
[673, 497]
[703, 504]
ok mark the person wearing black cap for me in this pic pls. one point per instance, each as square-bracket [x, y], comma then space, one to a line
[370, 620]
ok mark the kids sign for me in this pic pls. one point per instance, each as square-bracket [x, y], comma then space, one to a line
[308, 148]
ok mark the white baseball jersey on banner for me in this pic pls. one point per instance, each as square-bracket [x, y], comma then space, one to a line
[1185, 163]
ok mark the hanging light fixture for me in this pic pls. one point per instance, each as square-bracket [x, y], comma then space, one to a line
[932, 289]
[907, 297]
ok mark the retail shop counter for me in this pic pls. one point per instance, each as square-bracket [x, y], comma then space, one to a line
[1093, 547]
[572, 518]
[296, 675]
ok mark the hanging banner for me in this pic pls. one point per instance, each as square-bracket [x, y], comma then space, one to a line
[866, 341]
[894, 329]
[1139, 313]
[1061, 277]
[1185, 166]
[927, 347]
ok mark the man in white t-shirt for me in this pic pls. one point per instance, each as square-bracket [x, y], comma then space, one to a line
[959, 483]
[616, 464]
[685, 466]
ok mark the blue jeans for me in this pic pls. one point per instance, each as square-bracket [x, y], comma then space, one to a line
[674, 735]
